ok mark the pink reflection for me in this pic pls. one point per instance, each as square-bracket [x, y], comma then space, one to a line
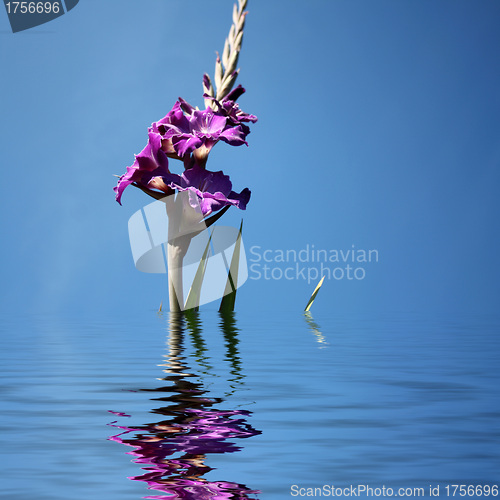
[173, 452]
[192, 437]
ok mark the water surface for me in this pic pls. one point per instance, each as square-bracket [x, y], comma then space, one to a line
[246, 406]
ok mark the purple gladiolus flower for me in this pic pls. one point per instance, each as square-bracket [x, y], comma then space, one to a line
[186, 130]
[149, 163]
[228, 107]
[188, 134]
[211, 191]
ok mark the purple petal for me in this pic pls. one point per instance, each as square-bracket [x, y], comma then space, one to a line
[194, 177]
[150, 162]
[210, 190]
[235, 114]
[241, 200]
[235, 94]
[209, 205]
[208, 124]
[245, 117]
[206, 181]
[173, 180]
[186, 107]
[152, 156]
[206, 81]
[124, 181]
[185, 143]
[218, 183]
[175, 118]
[235, 136]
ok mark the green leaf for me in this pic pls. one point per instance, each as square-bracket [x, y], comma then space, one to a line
[229, 299]
[313, 296]
[193, 298]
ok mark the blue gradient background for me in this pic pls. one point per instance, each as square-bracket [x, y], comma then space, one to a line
[378, 126]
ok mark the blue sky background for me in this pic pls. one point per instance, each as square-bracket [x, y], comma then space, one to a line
[378, 127]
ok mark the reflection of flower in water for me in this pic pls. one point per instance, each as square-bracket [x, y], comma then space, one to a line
[200, 432]
[173, 451]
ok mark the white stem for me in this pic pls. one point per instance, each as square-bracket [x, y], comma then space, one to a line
[177, 248]
[175, 258]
